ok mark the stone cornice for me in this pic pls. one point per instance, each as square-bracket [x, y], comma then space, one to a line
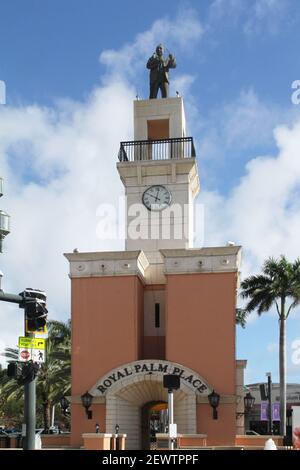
[203, 260]
[107, 263]
[102, 255]
[139, 168]
[206, 251]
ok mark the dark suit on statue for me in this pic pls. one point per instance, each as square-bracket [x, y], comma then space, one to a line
[159, 68]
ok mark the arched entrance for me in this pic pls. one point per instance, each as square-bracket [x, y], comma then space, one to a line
[132, 390]
[154, 417]
[125, 408]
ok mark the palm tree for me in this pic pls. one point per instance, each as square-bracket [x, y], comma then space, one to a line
[279, 284]
[53, 379]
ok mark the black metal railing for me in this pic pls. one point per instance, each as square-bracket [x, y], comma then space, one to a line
[160, 149]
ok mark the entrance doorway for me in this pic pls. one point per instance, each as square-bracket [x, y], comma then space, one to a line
[132, 401]
[154, 417]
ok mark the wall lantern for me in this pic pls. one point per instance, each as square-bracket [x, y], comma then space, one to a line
[86, 400]
[64, 403]
[214, 399]
[248, 404]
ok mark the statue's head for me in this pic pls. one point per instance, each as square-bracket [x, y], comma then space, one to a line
[160, 50]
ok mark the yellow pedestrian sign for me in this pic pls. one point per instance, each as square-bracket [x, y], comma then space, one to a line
[31, 343]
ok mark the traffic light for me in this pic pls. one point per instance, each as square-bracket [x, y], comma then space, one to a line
[14, 370]
[34, 304]
[28, 373]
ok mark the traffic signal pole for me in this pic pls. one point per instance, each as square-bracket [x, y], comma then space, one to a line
[30, 414]
[33, 303]
[29, 406]
[16, 299]
[29, 388]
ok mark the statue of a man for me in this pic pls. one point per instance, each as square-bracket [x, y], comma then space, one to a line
[159, 68]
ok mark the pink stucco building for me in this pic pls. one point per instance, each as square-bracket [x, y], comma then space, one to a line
[160, 306]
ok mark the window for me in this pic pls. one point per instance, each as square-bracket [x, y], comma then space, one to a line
[157, 315]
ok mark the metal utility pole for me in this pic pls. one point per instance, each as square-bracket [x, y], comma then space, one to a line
[270, 417]
[171, 416]
[171, 382]
[35, 314]
[4, 220]
[30, 413]
[34, 304]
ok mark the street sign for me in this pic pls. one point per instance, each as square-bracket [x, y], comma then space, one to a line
[31, 343]
[35, 355]
[24, 355]
[38, 355]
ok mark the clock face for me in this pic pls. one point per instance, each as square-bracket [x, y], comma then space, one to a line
[156, 198]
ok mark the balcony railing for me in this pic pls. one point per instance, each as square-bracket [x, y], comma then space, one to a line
[160, 149]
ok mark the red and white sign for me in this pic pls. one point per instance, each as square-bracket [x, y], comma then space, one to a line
[24, 354]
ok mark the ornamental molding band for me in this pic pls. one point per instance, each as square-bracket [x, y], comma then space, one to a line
[107, 263]
[176, 261]
[203, 260]
[153, 370]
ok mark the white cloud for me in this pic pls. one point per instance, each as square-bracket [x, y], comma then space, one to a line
[182, 84]
[267, 16]
[177, 34]
[253, 16]
[262, 212]
[59, 164]
[245, 123]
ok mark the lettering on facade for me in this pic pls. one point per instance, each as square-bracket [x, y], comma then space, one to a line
[143, 368]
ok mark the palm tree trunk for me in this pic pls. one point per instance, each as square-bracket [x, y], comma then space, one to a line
[46, 415]
[282, 370]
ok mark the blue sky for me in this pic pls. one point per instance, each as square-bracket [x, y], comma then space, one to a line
[72, 69]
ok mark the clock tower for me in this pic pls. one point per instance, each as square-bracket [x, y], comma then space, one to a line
[158, 307]
[159, 171]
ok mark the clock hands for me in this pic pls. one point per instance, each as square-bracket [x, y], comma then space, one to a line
[161, 198]
[157, 194]
[155, 197]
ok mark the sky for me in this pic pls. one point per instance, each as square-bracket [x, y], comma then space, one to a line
[72, 69]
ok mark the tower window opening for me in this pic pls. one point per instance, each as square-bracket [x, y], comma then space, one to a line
[157, 315]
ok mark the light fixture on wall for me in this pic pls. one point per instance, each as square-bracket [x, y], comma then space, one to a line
[248, 405]
[214, 400]
[86, 400]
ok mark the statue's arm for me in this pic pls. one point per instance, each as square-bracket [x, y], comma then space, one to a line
[152, 63]
[171, 62]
